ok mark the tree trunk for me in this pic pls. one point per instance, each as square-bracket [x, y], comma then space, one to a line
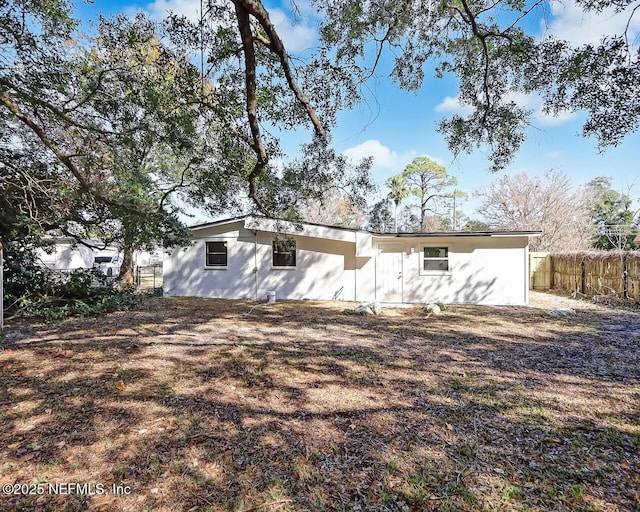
[126, 269]
[395, 219]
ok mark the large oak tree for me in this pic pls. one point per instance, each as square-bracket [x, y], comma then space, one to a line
[495, 50]
[252, 89]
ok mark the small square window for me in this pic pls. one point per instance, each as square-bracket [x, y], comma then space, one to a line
[284, 252]
[435, 259]
[216, 254]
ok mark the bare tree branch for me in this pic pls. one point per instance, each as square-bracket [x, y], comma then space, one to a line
[256, 9]
[244, 25]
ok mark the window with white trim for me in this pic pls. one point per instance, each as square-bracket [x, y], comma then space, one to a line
[216, 254]
[284, 253]
[435, 259]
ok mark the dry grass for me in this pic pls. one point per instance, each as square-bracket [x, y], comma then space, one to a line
[220, 405]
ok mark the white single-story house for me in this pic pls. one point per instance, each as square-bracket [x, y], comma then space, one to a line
[248, 257]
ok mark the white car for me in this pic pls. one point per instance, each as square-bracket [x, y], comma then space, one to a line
[109, 264]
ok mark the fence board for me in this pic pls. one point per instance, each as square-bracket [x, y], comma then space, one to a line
[598, 273]
[567, 271]
[605, 276]
[633, 276]
[539, 271]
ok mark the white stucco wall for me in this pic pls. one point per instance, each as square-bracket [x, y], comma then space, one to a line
[325, 269]
[482, 270]
[366, 279]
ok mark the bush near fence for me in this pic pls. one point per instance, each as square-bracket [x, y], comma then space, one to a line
[598, 273]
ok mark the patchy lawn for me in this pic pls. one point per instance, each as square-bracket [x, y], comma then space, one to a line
[194, 404]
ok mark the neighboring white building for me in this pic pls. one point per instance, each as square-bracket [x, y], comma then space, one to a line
[66, 254]
[246, 257]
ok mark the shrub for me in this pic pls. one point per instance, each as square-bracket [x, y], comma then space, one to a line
[43, 293]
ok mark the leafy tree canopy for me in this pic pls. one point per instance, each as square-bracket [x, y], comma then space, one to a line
[427, 180]
[119, 125]
[101, 131]
[398, 192]
[611, 214]
[492, 49]
[380, 218]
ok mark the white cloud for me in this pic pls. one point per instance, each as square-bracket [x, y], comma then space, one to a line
[383, 157]
[533, 102]
[570, 22]
[453, 106]
[528, 101]
[554, 155]
[554, 119]
[296, 35]
[161, 8]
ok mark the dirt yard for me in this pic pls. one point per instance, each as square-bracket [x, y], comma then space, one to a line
[194, 404]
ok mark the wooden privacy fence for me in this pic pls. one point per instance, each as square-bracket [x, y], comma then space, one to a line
[615, 273]
[539, 271]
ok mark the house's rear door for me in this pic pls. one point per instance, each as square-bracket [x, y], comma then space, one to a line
[389, 273]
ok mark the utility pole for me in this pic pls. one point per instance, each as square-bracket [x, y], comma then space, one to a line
[454, 210]
[202, 44]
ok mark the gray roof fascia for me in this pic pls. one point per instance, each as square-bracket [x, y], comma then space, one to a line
[443, 234]
[377, 233]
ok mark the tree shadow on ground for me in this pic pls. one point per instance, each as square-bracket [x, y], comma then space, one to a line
[224, 405]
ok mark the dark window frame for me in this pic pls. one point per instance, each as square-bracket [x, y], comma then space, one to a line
[284, 253]
[211, 251]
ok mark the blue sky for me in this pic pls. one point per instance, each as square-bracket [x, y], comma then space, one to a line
[394, 126]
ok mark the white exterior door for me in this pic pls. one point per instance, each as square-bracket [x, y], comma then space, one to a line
[389, 273]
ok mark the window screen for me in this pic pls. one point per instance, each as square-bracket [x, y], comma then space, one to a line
[216, 255]
[435, 258]
[284, 252]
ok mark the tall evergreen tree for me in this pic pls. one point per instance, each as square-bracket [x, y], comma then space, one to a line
[428, 181]
[611, 214]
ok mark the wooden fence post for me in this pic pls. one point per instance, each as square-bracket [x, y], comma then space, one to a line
[625, 275]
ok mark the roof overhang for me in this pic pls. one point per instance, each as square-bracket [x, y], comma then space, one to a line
[456, 234]
[300, 229]
[206, 225]
[362, 238]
